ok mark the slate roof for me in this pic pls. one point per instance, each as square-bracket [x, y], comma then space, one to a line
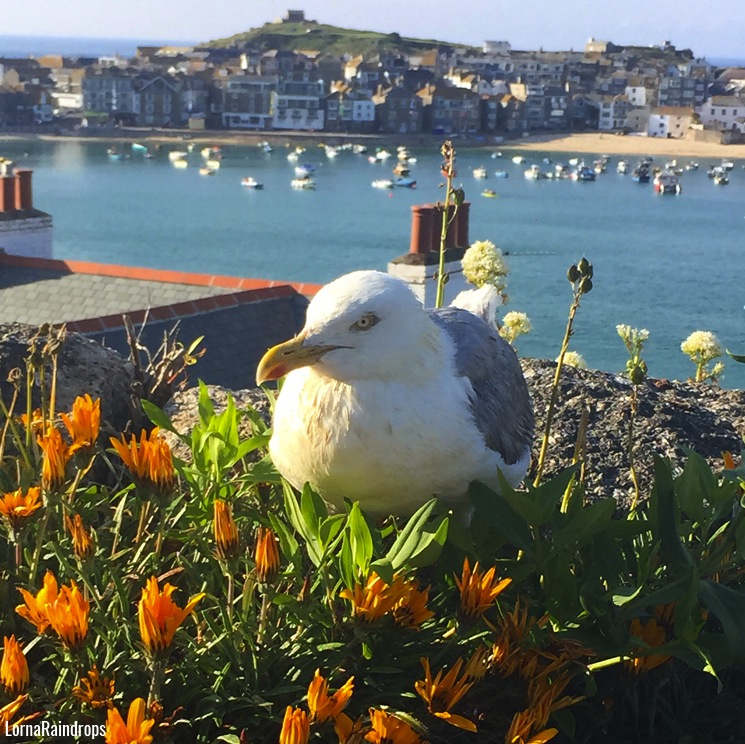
[239, 318]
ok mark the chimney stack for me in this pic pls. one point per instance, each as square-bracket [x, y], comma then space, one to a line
[23, 194]
[7, 193]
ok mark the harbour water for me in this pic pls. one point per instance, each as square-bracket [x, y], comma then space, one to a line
[672, 264]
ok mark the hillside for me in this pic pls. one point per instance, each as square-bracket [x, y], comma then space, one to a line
[323, 38]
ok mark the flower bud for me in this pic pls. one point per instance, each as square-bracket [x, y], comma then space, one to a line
[573, 274]
[585, 267]
[585, 285]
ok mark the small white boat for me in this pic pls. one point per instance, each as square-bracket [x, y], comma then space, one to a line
[574, 162]
[622, 166]
[306, 169]
[177, 155]
[180, 162]
[480, 172]
[501, 174]
[138, 147]
[331, 152]
[518, 160]
[251, 183]
[383, 183]
[533, 173]
[214, 164]
[207, 171]
[359, 149]
[265, 147]
[721, 179]
[303, 183]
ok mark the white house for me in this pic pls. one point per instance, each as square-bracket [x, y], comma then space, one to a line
[723, 112]
[669, 121]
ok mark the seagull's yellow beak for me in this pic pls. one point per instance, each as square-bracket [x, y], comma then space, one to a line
[285, 357]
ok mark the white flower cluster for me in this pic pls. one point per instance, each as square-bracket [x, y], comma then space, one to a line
[514, 324]
[483, 263]
[634, 338]
[702, 346]
[574, 359]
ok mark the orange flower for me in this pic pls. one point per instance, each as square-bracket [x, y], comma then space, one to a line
[478, 591]
[149, 460]
[68, 616]
[17, 507]
[444, 692]
[135, 731]
[323, 706]
[521, 727]
[226, 531]
[266, 555]
[35, 424]
[82, 543]
[95, 690]
[56, 456]
[376, 598]
[35, 608]
[8, 711]
[387, 729]
[412, 610]
[83, 423]
[295, 727]
[14, 668]
[160, 616]
[653, 635]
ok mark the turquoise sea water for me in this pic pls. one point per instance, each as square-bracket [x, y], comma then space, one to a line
[671, 264]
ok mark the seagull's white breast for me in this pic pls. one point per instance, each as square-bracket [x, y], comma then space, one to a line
[391, 445]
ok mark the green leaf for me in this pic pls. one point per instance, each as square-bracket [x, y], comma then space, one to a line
[229, 738]
[729, 607]
[360, 538]
[204, 404]
[737, 357]
[494, 508]
[430, 546]
[297, 520]
[408, 539]
[313, 508]
[665, 507]
[585, 524]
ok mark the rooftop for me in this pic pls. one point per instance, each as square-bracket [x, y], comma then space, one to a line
[92, 298]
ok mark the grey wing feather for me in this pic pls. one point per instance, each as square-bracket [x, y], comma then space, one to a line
[500, 403]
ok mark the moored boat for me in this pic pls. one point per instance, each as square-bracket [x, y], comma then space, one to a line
[177, 155]
[480, 172]
[251, 183]
[489, 193]
[306, 169]
[641, 174]
[306, 182]
[138, 147]
[382, 183]
[207, 171]
[518, 159]
[407, 183]
[666, 182]
[501, 174]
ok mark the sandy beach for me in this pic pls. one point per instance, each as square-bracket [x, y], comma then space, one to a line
[586, 142]
[596, 142]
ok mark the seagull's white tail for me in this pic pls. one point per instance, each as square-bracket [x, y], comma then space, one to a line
[483, 302]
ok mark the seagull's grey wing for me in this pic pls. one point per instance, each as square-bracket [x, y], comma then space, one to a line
[500, 402]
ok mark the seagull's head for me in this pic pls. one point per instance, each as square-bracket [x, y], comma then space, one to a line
[363, 325]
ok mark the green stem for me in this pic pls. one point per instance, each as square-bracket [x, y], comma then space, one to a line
[630, 446]
[555, 388]
[40, 535]
[449, 172]
[263, 615]
[156, 681]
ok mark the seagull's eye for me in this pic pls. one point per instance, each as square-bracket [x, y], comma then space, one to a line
[367, 321]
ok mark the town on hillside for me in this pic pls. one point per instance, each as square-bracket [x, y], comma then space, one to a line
[491, 92]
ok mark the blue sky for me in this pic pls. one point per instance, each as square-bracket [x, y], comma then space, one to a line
[715, 28]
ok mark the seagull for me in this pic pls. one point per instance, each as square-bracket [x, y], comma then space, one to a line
[389, 404]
